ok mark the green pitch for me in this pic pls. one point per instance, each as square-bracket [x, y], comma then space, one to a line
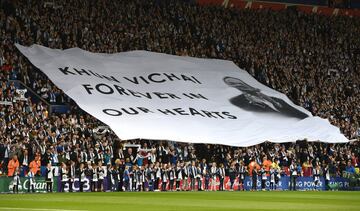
[185, 201]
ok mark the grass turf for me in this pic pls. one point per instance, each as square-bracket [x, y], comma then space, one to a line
[185, 201]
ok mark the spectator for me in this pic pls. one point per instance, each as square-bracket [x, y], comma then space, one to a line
[35, 166]
[49, 177]
[316, 176]
[293, 176]
[350, 168]
[213, 173]
[13, 166]
[221, 173]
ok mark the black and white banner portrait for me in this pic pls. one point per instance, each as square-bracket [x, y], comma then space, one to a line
[148, 95]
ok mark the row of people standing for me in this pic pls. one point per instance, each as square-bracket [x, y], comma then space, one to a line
[153, 177]
[179, 177]
[150, 177]
[165, 176]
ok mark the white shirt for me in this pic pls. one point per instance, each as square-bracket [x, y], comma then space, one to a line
[172, 176]
[64, 175]
[50, 174]
[7, 149]
[31, 177]
[158, 173]
[272, 176]
[16, 180]
[316, 175]
[82, 175]
[222, 172]
[179, 176]
[165, 177]
[327, 175]
[101, 173]
[293, 169]
[95, 177]
[55, 158]
[25, 160]
[213, 172]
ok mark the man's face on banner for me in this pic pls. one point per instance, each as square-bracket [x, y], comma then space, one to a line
[240, 85]
[253, 95]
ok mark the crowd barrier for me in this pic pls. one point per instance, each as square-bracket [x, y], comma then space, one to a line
[302, 183]
[243, 4]
[344, 3]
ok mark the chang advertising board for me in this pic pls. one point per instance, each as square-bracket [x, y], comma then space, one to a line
[302, 183]
[6, 185]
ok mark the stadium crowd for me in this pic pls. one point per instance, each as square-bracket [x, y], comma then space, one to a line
[313, 59]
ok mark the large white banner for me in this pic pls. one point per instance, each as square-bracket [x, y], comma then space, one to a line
[148, 95]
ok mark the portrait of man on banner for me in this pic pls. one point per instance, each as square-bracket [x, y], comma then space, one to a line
[252, 99]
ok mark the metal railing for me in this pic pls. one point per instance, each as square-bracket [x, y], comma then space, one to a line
[51, 108]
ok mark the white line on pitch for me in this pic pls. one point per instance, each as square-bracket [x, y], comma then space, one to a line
[35, 209]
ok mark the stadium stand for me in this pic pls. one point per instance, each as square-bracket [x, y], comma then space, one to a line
[313, 59]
